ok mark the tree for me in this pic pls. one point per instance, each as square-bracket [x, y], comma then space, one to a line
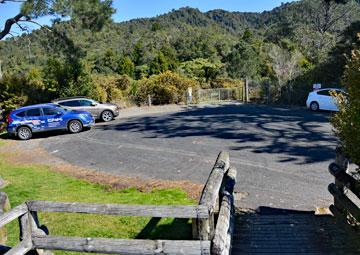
[92, 14]
[126, 66]
[243, 61]
[286, 65]
[203, 70]
[328, 13]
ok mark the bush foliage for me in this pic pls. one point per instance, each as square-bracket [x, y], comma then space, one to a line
[347, 121]
[165, 88]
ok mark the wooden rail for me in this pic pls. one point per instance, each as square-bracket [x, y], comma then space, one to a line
[343, 206]
[180, 212]
[212, 222]
[121, 246]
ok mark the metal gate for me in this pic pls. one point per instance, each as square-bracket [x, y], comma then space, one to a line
[220, 95]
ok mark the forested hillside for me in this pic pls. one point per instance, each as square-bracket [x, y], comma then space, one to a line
[283, 52]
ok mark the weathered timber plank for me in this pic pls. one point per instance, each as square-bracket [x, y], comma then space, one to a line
[38, 230]
[122, 210]
[345, 179]
[21, 249]
[224, 227]
[4, 207]
[13, 214]
[25, 231]
[341, 159]
[210, 195]
[121, 246]
[344, 202]
[213, 184]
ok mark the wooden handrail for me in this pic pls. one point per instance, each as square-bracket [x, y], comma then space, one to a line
[121, 246]
[344, 201]
[13, 214]
[345, 179]
[21, 248]
[204, 229]
[343, 205]
[212, 187]
[185, 212]
[225, 223]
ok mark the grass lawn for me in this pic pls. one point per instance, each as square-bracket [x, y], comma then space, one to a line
[40, 183]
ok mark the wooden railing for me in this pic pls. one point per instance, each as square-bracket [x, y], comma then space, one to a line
[343, 206]
[212, 222]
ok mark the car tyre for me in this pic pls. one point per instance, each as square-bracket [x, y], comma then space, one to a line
[107, 116]
[75, 126]
[24, 133]
[314, 106]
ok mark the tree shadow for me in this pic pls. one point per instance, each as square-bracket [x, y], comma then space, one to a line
[177, 229]
[300, 136]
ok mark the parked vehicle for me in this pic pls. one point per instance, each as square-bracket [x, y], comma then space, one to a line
[323, 100]
[25, 121]
[105, 112]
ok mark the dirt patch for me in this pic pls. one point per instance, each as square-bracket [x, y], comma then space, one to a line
[20, 153]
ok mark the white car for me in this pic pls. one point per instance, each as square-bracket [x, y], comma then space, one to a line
[323, 100]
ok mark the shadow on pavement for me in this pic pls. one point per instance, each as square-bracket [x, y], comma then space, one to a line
[297, 133]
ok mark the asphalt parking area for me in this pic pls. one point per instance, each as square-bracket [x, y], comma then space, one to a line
[281, 154]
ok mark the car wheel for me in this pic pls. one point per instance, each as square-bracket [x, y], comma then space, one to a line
[75, 126]
[107, 116]
[24, 133]
[314, 106]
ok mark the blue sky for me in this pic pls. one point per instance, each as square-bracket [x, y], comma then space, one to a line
[130, 9]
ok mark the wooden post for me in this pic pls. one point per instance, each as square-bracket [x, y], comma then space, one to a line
[343, 163]
[149, 100]
[225, 224]
[210, 194]
[4, 207]
[38, 231]
[246, 91]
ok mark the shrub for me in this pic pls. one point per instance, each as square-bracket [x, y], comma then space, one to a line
[165, 88]
[347, 120]
[19, 89]
[110, 88]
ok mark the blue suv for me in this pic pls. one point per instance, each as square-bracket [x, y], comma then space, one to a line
[25, 121]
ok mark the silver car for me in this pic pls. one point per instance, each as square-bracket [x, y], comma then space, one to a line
[102, 111]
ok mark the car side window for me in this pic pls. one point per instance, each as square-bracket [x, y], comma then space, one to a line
[21, 114]
[33, 112]
[86, 103]
[51, 111]
[324, 93]
[73, 103]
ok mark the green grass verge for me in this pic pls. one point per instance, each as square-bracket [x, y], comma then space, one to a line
[39, 183]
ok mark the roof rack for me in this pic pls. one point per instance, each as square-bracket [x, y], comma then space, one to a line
[66, 98]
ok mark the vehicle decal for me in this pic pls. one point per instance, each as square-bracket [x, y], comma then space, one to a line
[54, 120]
[36, 122]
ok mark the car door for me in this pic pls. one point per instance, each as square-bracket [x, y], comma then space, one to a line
[35, 120]
[54, 118]
[324, 99]
[89, 106]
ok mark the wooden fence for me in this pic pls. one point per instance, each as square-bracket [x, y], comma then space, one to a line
[212, 221]
[343, 206]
